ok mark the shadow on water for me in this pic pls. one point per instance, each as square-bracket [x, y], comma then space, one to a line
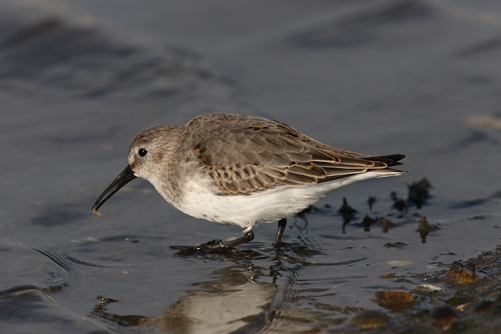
[233, 300]
[243, 296]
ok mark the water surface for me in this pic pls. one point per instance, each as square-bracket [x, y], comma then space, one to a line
[79, 79]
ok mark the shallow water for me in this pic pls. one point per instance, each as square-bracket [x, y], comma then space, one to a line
[80, 78]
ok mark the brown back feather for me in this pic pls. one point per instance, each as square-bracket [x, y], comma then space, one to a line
[246, 154]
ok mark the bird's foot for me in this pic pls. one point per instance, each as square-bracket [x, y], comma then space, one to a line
[205, 247]
[213, 244]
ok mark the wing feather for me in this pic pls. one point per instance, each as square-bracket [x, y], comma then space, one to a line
[247, 154]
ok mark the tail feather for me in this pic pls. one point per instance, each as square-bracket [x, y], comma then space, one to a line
[390, 160]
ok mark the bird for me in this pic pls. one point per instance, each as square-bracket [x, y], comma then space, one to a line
[242, 170]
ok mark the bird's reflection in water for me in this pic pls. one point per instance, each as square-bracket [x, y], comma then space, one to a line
[233, 301]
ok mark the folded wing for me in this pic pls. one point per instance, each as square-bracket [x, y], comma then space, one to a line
[247, 154]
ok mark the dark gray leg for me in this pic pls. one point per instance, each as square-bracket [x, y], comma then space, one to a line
[246, 238]
[214, 244]
[281, 228]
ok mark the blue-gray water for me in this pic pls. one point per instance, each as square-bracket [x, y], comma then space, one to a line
[79, 79]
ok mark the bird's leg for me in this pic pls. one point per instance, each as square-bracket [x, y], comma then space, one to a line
[246, 238]
[281, 228]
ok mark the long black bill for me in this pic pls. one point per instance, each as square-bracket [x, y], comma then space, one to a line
[125, 177]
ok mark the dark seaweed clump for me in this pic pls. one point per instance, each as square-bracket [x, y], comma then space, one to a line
[419, 192]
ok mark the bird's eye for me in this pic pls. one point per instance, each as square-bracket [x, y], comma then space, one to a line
[142, 152]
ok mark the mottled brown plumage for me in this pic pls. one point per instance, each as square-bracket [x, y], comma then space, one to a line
[243, 170]
[247, 154]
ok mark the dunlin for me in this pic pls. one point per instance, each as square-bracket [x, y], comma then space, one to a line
[242, 170]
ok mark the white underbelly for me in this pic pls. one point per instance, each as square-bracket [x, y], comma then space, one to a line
[246, 211]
